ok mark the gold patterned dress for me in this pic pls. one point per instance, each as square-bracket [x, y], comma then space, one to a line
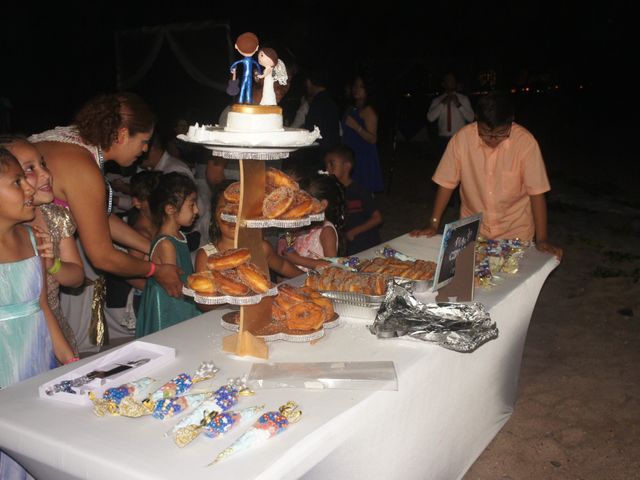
[60, 226]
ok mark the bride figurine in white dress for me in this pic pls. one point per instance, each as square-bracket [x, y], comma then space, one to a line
[274, 70]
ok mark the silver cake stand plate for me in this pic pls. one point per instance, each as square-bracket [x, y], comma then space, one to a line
[275, 222]
[249, 152]
[287, 337]
[220, 299]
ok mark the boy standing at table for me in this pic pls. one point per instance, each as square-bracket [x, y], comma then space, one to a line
[501, 173]
[363, 217]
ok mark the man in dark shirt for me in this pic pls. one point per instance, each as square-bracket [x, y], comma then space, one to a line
[323, 113]
[363, 218]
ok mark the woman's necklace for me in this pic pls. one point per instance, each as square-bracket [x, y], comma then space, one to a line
[109, 188]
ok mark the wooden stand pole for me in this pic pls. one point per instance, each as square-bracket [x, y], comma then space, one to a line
[252, 317]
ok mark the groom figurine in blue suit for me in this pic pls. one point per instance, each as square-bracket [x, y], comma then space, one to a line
[247, 44]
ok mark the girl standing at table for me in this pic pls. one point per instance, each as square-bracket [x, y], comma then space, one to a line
[173, 204]
[306, 247]
[222, 236]
[30, 337]
[65, 268]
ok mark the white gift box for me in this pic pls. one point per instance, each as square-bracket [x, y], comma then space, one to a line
[158, 355]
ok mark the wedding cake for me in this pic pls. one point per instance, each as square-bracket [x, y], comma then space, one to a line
[252, 126]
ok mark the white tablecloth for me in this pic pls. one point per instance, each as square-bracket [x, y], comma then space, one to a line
[447, 408]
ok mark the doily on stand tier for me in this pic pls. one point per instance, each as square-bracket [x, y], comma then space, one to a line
[220, 299]
[275, 222]
[274, 332]
[249, 153]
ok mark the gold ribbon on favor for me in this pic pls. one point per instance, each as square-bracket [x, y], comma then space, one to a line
[98, 331]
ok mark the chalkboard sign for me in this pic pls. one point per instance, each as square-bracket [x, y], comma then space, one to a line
[456, 236]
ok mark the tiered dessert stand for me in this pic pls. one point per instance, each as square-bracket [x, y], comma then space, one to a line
[248, 235]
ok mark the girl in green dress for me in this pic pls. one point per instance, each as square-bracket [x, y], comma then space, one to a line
[173, 205]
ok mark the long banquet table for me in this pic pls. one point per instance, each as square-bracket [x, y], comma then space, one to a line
[447, 408]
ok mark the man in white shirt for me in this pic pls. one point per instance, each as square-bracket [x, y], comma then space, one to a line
[160, 160]
[452, 110]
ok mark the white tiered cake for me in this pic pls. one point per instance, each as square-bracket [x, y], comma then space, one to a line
[252, 126]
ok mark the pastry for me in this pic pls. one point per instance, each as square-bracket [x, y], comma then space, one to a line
[278, 178]
[228, 285]
[202, 282]
[301, 206]
[305, 316]
[253, 278]
[232, 193]
[228, 259]
[277, 202]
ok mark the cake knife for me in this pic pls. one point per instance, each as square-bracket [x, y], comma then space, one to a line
[66, 385]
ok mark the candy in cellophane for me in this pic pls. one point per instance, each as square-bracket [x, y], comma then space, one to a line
[223, 399]
[113, 397]
[163, 402]
[268, 425]
[495, 257]
[215, 424]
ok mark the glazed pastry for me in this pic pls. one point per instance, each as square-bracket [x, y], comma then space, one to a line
[253, 278]
[327, 306]
[301, 206]
[277, 202]
[277, 178]
[305, 316]
[316, 206]
[232, 193]
[228, 259]
[228, 284]
[336, 279]
[202, 282]
[392, 267]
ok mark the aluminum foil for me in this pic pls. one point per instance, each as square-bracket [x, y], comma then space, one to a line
[457, 326]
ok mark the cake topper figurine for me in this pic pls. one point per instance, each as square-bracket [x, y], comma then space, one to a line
[247, 45]
[274, 70]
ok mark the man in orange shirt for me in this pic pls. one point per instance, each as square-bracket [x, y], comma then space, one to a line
[501, 173]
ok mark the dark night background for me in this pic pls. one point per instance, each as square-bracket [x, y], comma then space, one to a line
[574, 57]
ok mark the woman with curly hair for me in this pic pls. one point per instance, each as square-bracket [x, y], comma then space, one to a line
[109, 127]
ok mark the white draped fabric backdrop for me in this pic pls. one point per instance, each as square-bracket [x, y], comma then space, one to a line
[200, 48]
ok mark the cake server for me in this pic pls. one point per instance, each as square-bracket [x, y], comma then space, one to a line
[66, 385]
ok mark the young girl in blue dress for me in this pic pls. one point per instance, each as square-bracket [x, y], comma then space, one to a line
[30, 337]
[173, 204]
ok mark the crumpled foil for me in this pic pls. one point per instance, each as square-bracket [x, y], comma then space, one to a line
[461, 327]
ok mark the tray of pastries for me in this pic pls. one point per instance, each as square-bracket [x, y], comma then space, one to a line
[297, 315]
[393, 267]
[344, 285]
[230, 278]
[284, 205]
